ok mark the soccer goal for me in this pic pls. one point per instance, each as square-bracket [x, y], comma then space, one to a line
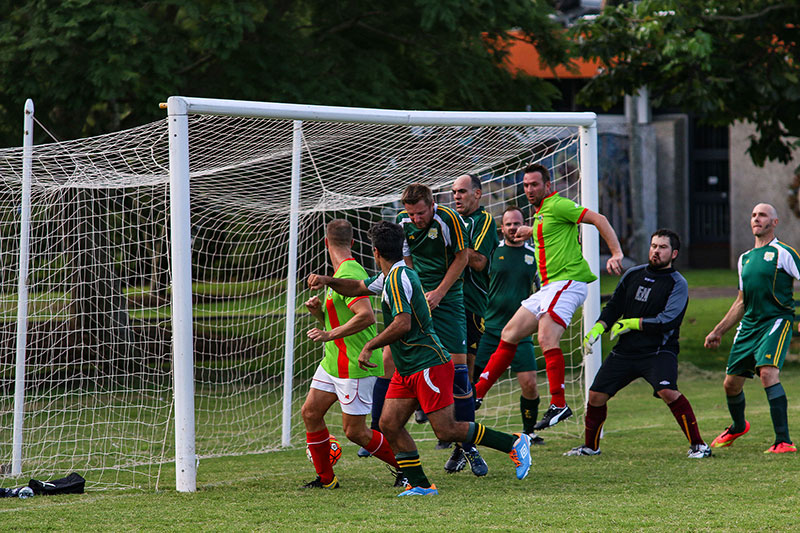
[161, 316]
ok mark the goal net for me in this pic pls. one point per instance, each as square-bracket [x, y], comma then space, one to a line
[99, 367]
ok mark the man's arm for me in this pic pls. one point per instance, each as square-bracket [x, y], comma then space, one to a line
[477, 261]
[363, 318]
[344, 286]
[401, 324]
[453, 272]
[614, 263]
[731, 318]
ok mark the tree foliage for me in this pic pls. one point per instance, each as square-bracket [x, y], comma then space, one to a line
[725, 60]
[94, 66]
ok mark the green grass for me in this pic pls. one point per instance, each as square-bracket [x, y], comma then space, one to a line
[642, 482]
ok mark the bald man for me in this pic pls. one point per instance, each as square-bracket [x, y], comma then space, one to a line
[764, 309]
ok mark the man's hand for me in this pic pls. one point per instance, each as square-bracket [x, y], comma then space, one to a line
[712, 340]
[434, 299]
[318, 335]
[624, 326]
[363, 359]
[594, 334]
[317, 281]
[314, 305]
[523, 234]
[614, 264]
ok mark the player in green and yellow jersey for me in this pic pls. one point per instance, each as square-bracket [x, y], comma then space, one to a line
[482, 240]
[424, 370]
[764, 309]
[564, 275]
[437, 249]
[513, 277]
[349, 324]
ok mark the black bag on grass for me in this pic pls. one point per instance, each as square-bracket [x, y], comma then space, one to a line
[72, 484]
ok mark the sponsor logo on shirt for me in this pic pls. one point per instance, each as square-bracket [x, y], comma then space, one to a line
[642, 294]
[433, 233]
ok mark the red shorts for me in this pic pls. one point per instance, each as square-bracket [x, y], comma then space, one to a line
[432, 387]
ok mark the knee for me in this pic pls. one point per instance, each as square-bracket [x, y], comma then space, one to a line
[668, 395]
[731, 388]
[597, 399]
[310, 413]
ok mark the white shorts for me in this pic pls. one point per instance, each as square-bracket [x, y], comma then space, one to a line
[354, 394]
[559, 299]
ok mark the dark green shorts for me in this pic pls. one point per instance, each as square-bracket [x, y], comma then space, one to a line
[756, 345]
[450, 324]
[524, 359]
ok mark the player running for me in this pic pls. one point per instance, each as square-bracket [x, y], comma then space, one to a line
[646, 311]
[512, 278]
[424, 369]
[349, 324]
[564, 275]
[765, 307]
[436, 248]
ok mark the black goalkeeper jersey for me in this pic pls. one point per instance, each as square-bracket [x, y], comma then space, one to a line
[660, 298]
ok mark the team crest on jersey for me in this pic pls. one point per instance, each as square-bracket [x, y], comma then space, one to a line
[433, 233]
[528, 259]
[769, 256]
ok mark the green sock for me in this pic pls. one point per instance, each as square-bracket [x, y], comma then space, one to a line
[777, 410]
[736, 408]
[411, 466]
[497, 440]
[530, 412]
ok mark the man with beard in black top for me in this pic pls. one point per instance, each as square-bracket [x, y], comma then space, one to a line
[646, 309]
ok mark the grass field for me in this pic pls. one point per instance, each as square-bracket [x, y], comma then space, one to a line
[642, 481]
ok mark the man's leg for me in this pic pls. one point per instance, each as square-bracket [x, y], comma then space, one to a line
[447, 428]
[317, 437]
[528, 401]
[684, 414]
[549, 337]
[734, 394]
[521, 325]
[776, 396]
[379, 395]
[396, 411]
[356, 430]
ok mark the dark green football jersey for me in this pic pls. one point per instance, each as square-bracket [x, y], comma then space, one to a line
[401, 292]
[433, 249]
[512, 279]
[482, 237]
[766, 277]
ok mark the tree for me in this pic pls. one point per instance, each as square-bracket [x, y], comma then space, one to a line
[725, 60]
[95, 66]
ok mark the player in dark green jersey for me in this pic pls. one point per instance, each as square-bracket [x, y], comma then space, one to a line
[436, 248]
[513, 277]
[481, 243]
[424, 370]
[764, 309]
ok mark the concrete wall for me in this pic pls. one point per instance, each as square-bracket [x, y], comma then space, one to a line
[750, 185]
[672, 156]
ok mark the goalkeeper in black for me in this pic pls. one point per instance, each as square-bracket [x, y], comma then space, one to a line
[646, 311]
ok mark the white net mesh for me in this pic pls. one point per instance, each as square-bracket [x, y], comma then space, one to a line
[98, 374]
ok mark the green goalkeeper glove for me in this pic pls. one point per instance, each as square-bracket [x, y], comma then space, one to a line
[624, 326]
[594, 334]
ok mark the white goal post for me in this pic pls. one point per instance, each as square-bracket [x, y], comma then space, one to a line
[152, 279]
[179, 109]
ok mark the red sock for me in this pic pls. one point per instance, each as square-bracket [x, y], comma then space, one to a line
[683, 413]
[379, 447]
[593, 423]
[498, 363]
[320, 445]
[554, 363]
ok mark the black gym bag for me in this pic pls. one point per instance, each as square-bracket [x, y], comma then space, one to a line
[72, 484]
